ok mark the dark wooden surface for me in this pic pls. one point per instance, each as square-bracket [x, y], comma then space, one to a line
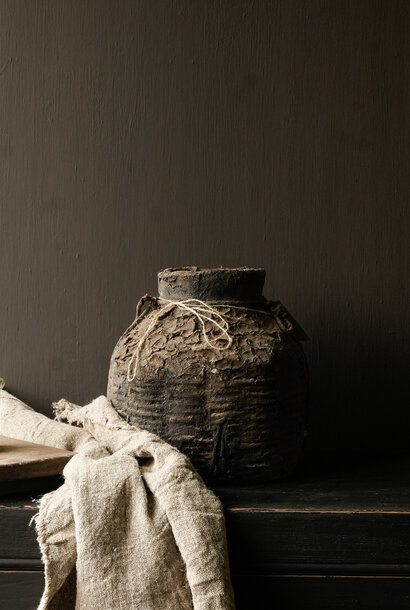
[141, 135]
[335, 540]
[318, 592]
[257, 592]
[20, 589]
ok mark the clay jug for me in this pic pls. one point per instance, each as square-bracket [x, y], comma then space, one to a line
[216, 370]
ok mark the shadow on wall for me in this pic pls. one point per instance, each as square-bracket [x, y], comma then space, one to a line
[359, 391]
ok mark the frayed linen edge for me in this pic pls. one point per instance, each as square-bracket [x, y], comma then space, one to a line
[37, 519]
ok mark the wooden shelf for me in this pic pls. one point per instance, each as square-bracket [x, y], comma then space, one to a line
[335, 539]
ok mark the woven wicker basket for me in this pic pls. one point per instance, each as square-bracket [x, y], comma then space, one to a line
[238, 413]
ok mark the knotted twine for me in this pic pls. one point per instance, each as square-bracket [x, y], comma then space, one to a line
[203, 312]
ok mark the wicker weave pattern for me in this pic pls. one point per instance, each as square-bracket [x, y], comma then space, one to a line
[239, 415]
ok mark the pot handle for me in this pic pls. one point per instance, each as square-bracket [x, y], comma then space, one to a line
[153, 301]
[286, 321]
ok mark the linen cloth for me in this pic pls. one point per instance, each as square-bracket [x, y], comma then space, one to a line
[133, 526]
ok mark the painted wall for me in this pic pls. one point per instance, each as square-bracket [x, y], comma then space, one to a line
[136, 135]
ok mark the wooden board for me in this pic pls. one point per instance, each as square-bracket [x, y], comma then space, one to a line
[333, 540]
[319, 592]
[322, 523]
[20, 589]
[337, 539]
[24, 460]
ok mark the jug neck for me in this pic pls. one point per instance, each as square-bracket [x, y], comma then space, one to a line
[243, 284]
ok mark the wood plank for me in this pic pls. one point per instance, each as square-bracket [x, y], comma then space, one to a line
[264, 539]
[340, 540]
[292, 592]
[20, 590]
[352, 517]
[23, 460]
[37, 485]
[375, 486]
[17, 539]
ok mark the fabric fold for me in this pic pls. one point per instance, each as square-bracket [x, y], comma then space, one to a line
[133, 526]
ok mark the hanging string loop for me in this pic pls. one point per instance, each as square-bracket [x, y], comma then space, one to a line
[203, 312]
[199, 309]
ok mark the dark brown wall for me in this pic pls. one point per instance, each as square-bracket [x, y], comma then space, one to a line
[136, 135]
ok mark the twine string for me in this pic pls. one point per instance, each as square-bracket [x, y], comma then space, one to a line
[204, 313]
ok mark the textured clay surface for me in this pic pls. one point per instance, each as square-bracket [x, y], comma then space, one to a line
[239, 414]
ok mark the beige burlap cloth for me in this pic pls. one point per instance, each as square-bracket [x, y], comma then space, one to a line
[133, 526]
